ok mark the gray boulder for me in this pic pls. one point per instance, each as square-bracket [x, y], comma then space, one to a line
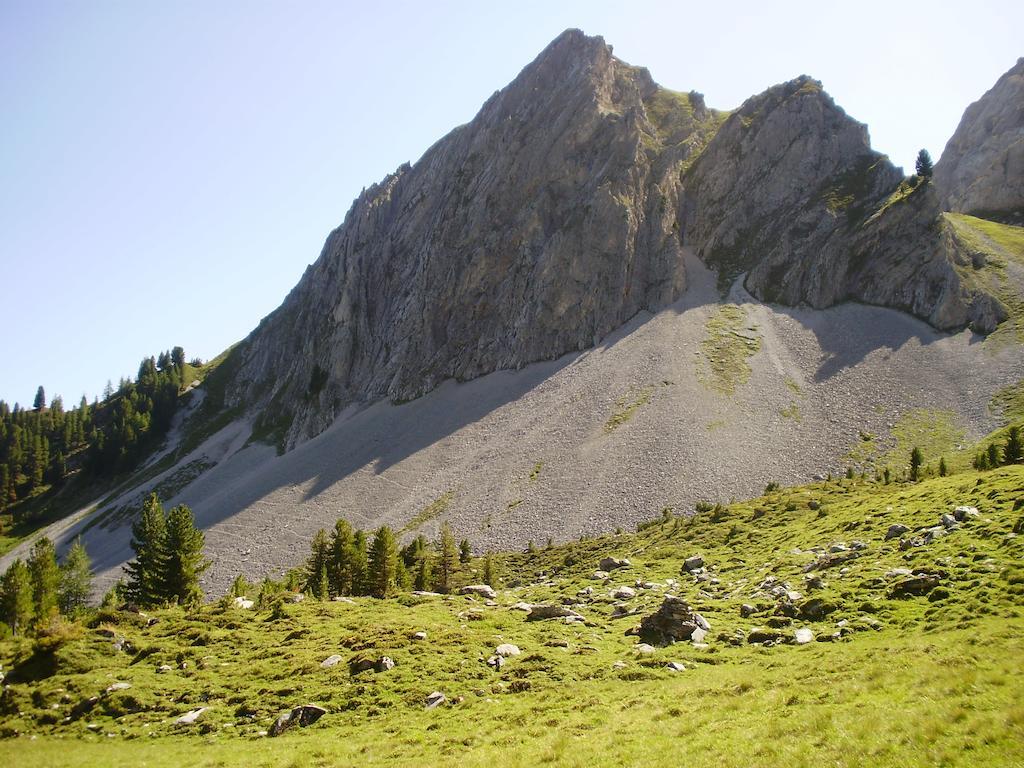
[300, 716]
[895, 531]
[482, 590]
[673, 622]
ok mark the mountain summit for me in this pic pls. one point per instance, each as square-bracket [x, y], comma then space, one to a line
[562, 209]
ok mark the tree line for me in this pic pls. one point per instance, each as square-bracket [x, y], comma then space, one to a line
[36, 592]
[41, 447]
[348, 562]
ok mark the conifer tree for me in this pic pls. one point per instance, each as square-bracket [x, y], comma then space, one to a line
[45, 574]
[422, 580]
[339, 573]
[993, 456]
[185, 561]
[16, 598]
[384, 564]
[240, 587]
[178, 357]
[447, 561]
[923, 166]
[360, 564]
[316, 566]
[1012, 451]
[490, 572]
[943, 471]
[916, 460]
[40, 402]
[465, 552]
[75, 580]
[149, 541]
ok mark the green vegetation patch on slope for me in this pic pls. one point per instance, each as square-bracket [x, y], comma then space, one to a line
[728, 344]
[626, 407]
[432, 511]
[997, 253]
[947, 662]
[1008, 403]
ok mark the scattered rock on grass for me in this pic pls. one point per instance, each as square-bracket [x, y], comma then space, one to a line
[507, 649]
[330, 661]
[244, 603]
[693, 563]
[483, 590]
[304, 715]
[917, 585]
[611, 563]
[542, 612]
[674, 621]
[803, 636]
[895, 531]
[190, 717]
[435, 699]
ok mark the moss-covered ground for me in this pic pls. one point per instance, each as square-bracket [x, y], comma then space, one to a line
[901, 681]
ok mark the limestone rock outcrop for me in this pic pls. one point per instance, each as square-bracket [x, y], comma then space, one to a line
[562, 210]
[981, 170]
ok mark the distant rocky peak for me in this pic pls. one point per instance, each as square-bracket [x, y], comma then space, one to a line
[982, 167]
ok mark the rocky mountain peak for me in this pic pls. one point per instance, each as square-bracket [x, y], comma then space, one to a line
[982, 167]
[562, 210]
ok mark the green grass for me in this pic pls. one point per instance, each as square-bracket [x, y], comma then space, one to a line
[792, 411]
[914, 682]
[999, 250]
[728, 343]
[626, 407]
[433, 510]
[1009, 403]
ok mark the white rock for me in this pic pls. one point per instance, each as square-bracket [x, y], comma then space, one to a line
[330, 661]
[645, 649]
[507, 649]
[244, 603]
[190, 717]
[803, 636]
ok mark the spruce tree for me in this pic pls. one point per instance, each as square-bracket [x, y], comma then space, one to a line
[45, 574]
[75, 580]
[916, 460]
[384, 563]
[923, 166]
[1012, 451]
[185, 561]
[16, 598]
[339, 572]
[40, 402]
[490, 573]
[149, 542]
[178, 357]
[360, 564]
[943, 471]
[993, 456]
[316, 566]
[447, 561]
[421, 582]
[465, 552]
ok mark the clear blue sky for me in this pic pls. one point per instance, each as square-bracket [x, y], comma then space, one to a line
[168, 169]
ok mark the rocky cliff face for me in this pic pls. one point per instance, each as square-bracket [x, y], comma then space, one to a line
[536, 229]
[561, 210]
[982, 167]
[790, 192]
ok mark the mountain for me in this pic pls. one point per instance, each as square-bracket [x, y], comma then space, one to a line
[597, 299]
[982, 168]
[561, 210]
